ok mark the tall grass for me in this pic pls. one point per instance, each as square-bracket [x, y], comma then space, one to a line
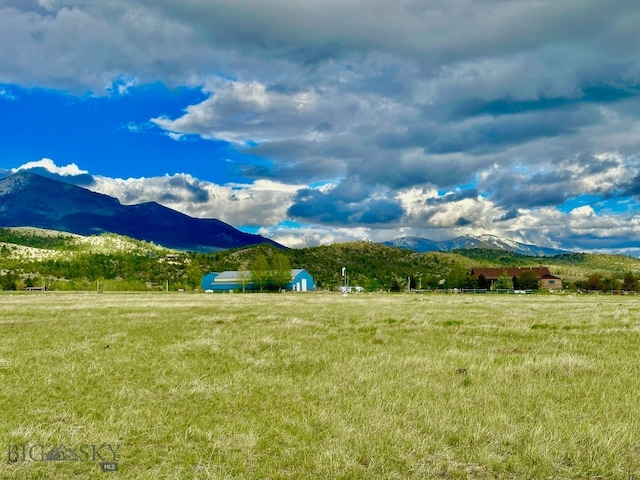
[195, 386]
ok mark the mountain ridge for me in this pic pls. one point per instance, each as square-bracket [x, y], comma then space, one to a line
[29, 199]
[492, 242]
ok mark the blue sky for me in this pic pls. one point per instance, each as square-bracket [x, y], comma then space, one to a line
[321, 122]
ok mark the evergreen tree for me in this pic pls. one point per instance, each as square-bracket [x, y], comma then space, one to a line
[630, 282]
[611, 283]
[527, 280]
[594, 282]
[395, 285]
[8, 281]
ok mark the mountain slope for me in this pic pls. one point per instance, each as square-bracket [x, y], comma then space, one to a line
[492, 242]
[27, 199]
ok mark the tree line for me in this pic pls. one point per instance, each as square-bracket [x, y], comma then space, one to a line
[371, 266]
[629, 283]
[269, 274]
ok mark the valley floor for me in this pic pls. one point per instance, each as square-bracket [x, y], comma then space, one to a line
[170, 385]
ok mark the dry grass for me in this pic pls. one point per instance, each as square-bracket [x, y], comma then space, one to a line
[323, 386]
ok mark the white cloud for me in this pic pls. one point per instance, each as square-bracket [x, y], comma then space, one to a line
[175, 136]
[585, 211]
[428, 213]
[48, 5]
[265, 203]
[242, 112]
[7, 94]
[49, 165]
[313, 235]
[261, 203]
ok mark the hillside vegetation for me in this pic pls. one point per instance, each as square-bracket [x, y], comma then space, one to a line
[36, 257]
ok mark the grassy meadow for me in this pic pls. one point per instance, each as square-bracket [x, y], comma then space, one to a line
[271, 386]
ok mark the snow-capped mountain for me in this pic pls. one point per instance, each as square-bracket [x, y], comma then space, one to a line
[492, 242]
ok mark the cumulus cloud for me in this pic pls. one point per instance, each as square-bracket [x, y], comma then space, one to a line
[46, 167]
[245, 112]
[47, 164]
[379, 215]
[605, 175]
[261, 203]
[313, 235]
[258, 204]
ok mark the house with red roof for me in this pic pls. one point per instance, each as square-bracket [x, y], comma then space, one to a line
[545, 278]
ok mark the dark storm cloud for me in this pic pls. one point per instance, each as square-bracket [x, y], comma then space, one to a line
[492, 134]
[632, 188]
[308, 170]
[456, 109]
[514, 190]
[432, 32]
[343, 205]
[195, 193]
[592, 241]
[554, 183]
[398, 171]
[293, 161]
[510, 215]
[453, 197]
[481, 135]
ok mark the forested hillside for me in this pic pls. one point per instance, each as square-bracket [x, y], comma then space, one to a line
[36, 258]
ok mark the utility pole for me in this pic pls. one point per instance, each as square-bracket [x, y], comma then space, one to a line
[346, 280]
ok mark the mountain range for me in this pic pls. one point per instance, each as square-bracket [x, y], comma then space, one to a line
[418, 244]
[28, 199]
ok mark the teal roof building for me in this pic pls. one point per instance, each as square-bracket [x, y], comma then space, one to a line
[233, 280]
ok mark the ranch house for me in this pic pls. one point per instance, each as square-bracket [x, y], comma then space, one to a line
[545, 279]
[301, 281]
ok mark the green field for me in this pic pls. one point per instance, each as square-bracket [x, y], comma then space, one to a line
[197, 386]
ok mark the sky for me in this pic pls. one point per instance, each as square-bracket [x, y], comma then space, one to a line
[324, 121]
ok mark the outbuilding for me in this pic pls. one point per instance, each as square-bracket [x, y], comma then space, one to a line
[234, 280]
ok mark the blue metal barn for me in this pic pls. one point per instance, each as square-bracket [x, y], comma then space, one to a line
[301, 281]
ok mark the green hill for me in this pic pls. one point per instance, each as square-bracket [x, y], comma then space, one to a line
[376, 266]
[62, 260]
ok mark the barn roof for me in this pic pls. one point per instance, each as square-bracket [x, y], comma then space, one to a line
[551, 277]
[234, 275]
[228, 275]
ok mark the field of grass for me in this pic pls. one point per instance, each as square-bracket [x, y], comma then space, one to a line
[198, 386]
